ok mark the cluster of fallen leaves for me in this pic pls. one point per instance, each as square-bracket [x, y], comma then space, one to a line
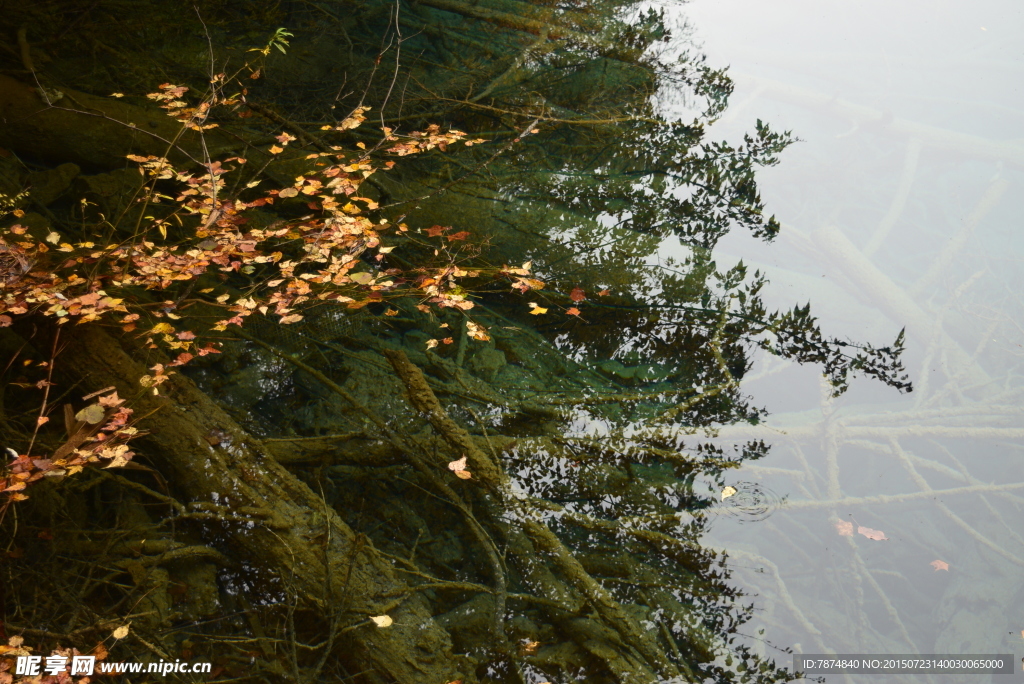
[97, 435]
[15, 647]
[845, 528]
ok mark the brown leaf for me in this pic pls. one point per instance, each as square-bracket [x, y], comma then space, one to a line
[577, 295]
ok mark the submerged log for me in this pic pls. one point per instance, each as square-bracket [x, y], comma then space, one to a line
[291, 530]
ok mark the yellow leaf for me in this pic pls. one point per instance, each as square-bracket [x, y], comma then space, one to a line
[382, 620]
[274, 149]
[463, 474]
[53, 237]
[728, 491]
[288, 192]
[164, 328]
[458, 465]
[537, 310]
[121, 632]
[91, 414]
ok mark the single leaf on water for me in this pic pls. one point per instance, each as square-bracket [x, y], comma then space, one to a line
[877, 535]
[463, 474]
[91, 414]
[121, 632]
[844, 528]
[458, 465]
[382, 620]
[728, 491]
[577, 295]
[942, 565]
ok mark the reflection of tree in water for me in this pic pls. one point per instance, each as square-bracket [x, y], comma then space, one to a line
[574, 551]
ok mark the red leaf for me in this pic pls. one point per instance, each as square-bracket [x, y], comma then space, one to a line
[434, 231]
[458, 236]
[186, 335]
[577, 295]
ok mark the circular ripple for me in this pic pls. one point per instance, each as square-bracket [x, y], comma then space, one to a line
[750, 503]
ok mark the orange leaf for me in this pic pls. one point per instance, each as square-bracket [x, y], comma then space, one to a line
[603, 293]
[577, 295]
[434, 231]
[939, 565]
[42, 420]
[573, 311]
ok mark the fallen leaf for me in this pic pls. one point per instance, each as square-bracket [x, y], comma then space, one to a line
[382, 620]
[91, 414]
[728, 491]
[603, 293]
[577, 295]
[288, 192]
[53, 237]
[434, 231]
[42, 420]
[877, 535]
[943, 565]
[458, 465]
[463, 474]
[844, 528]
[431, 344]
[537, 310]
[121, 632]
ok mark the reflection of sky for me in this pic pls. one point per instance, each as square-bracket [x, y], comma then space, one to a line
[898, 207]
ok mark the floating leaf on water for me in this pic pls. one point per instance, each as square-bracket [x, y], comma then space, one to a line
[91, 414]
[121, 632]
[728, 491]
[943, 565]
[458, 465]
[844, 528]
[877, 535]
[382, 620]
